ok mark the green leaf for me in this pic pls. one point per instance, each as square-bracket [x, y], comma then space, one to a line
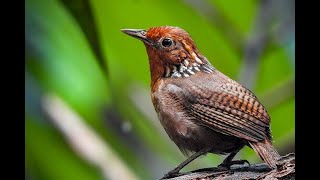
[60, 56]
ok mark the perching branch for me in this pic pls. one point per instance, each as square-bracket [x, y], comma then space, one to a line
[285, 171]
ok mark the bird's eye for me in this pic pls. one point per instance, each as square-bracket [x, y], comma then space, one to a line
[166, 42]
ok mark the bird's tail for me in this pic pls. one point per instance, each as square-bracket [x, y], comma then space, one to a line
[266, 152]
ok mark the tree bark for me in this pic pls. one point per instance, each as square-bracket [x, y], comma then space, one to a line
[285, 170]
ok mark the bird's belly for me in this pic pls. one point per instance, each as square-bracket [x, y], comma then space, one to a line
[191, 137]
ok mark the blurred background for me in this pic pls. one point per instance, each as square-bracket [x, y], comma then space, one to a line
[88, 111]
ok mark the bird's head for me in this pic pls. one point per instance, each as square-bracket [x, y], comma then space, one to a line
[171, 51]
[170, 44]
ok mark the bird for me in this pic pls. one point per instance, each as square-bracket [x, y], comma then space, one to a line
[201, 109]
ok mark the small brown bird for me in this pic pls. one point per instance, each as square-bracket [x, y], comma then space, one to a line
[201, 109]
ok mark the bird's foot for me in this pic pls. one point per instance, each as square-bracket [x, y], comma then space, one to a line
[226, 165]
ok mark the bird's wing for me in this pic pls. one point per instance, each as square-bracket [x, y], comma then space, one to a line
[230, 109]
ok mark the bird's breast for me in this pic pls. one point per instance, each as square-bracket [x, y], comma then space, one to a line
[170, 111]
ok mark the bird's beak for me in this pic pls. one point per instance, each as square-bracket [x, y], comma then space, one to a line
[139, 34]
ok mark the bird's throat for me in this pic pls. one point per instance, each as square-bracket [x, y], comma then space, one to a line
[159, 69]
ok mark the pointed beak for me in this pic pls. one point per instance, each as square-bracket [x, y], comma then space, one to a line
[139, 34]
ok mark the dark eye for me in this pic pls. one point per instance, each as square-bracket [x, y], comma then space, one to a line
[166, 42]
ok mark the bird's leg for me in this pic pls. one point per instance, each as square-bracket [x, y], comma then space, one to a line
[176, 170]
[227, 162]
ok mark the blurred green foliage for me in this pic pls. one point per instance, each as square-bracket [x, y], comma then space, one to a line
[75, 49]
